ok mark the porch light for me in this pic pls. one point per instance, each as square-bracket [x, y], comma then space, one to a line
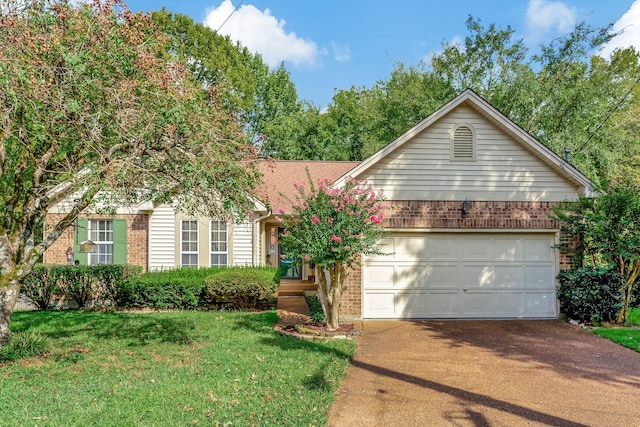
[465, 207]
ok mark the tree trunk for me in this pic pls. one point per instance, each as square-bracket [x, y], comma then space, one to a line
[8, 299]
[330, 290]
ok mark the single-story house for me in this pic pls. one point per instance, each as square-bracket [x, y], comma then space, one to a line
[468, 197]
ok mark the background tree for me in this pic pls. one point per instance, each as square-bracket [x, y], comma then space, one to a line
[332, 227]
[263, 99]
[93, 111]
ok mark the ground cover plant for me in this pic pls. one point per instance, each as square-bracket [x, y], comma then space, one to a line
[169, 368]
[628, 336]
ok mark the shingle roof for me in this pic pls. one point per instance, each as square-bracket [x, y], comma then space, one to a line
[279, 176]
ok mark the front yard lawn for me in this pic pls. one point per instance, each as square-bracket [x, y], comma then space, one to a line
[169, 369]
[625, 336]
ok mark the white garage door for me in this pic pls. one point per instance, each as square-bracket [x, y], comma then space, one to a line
[455, 275]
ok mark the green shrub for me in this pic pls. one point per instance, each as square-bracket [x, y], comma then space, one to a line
[40, 288]
[83, 284]
[242, 288]
[590, 295]
[23, 344]
[315, 309]
[171, 289]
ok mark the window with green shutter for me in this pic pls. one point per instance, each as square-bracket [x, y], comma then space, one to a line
[109, 237]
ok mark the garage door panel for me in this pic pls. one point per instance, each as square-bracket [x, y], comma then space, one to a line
[380, 276]
[426, 276]
[441, 249]
[380, 305]
[415, 303]
[541, 304]
[477, 276]
[538, 250]
[510, 304]
[475, 250]
[507, 249]
[508, 277]
[410, 248]
[462, 275]
[539, 277]
[443, 304]
[478, 304]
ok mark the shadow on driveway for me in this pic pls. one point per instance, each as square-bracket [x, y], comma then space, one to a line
[487, 373]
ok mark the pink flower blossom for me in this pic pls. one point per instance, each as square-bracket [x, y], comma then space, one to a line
[336, 238]
[277, 218]
[330, 220]
[306, 257]
[281, 210]
[345, 232]
[315, 219]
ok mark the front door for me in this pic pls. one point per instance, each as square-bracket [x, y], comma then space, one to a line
[291, 267]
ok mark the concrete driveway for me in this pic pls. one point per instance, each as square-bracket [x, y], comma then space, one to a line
[487, 373]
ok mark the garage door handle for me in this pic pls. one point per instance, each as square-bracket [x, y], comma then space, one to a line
[464, 290]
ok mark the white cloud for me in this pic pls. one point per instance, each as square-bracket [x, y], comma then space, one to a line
[629, 24]
[261, 33]
[341, 52]
[544, 17]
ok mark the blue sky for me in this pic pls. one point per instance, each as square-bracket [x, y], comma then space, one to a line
[336, 44]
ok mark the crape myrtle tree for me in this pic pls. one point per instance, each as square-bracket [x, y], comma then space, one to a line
[92, 111]
[331, 227]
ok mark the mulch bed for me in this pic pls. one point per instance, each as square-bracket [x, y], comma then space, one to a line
[311, 331]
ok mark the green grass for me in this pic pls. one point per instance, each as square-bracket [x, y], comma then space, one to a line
[169, 369]
[625, 336]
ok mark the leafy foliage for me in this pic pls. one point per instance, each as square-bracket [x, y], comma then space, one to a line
[242, 288]
[95, 113]
[315, 309]
[173, 289]
[83, 284]
[331, 227]
[591, 295]
[606, 230]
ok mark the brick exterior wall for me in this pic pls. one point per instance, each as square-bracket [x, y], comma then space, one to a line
[137, 239]
[442, 215]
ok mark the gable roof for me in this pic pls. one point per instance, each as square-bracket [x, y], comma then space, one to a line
[279, 176]
[477, 103]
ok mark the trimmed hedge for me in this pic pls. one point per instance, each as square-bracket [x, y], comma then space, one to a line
[590, 295]
[172, 289]
[83, 284]
[242, 288]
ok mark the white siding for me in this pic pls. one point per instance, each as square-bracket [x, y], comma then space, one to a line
[421, 169]
[162, 238]
[242, 244]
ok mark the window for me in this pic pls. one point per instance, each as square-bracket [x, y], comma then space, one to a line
[101, 233]
[219, 244]
[463, 142]
[189, 243]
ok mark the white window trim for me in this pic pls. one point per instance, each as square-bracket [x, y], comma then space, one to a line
[211, 252]
[90, 229]
[196, 252]
[452, 140]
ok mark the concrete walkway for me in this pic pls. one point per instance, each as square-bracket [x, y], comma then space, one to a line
[487, 373]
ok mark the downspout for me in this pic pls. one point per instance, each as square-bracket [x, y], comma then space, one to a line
[256, 238]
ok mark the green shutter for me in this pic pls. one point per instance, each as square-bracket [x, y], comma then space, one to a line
[119, 241]
[81, 234]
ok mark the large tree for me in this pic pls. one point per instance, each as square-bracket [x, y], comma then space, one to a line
[91, 109]
[262, 98]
